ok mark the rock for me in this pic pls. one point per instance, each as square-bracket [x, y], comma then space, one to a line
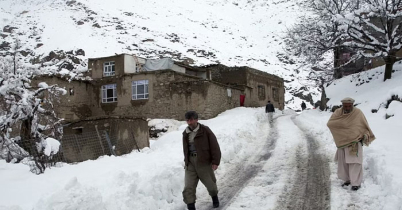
[5, 46]
[80, 52]
[96, 25]
[24, 53]
[75, 60]
[9, 29]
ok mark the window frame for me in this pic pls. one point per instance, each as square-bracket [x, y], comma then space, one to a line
[134, 89]
[105, 89]
[261, 92]
[109, 69]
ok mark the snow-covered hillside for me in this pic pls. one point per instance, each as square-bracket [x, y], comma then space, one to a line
[63, 34]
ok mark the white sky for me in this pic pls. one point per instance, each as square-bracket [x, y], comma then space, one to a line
[153, 178]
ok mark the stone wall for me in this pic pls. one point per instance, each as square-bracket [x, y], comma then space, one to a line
[219, 99]
[228, 75]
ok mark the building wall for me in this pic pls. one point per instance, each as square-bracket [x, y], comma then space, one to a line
[85, 140]
[95, 65]
[77, 103]
[228, 75]
[250, 79]
[219, 100]
[171, 94]
[156, 106]
[178, 69]
[269, 83]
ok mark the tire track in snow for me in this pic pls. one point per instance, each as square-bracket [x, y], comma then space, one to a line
[311, 187]
[237, 178]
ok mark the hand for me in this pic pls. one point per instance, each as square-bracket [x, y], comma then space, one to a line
[214, 167]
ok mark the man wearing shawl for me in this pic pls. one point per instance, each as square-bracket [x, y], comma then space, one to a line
[350, 130]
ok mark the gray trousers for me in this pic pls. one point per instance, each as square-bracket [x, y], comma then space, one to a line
[270, 116]
[194, 173]
[350, 167]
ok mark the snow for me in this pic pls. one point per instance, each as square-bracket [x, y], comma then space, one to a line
[153, 178]
[43, 85]
[51, 146]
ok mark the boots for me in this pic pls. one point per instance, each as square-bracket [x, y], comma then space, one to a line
[347, 183]
[355, 188]
[191, 206]
[215, 201]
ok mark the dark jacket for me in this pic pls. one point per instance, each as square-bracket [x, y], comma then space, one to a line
[303, 105]
[206, 145]
[269, 108]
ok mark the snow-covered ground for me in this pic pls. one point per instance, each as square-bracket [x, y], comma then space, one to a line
[153, 178]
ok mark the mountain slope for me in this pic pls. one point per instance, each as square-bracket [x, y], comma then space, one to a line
[63, 34]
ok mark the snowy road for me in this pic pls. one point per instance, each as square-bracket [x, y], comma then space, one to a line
[306, 171]
[240, 175]
[311, 188]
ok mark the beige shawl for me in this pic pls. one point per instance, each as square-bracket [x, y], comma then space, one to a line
[348, 129]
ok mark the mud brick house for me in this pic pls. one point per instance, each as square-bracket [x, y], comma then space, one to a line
[126, 90]
[258, 87]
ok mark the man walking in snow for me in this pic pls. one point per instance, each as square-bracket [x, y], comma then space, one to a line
[202, 156]
[350, 130]
[270, 109]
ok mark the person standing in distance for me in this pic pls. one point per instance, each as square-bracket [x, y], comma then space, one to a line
[303, 106]
[270, 109]
[202, 156]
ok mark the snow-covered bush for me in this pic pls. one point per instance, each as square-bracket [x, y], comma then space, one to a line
[31, 109]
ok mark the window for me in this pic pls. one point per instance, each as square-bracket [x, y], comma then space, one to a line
[275, 94]
[108, 69]
[345, 57]
[261, 92]
[140, 89]
[109, 94]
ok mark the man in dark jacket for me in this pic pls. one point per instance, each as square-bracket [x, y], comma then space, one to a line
[270, 109]
[202, 156]
[303, 105]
